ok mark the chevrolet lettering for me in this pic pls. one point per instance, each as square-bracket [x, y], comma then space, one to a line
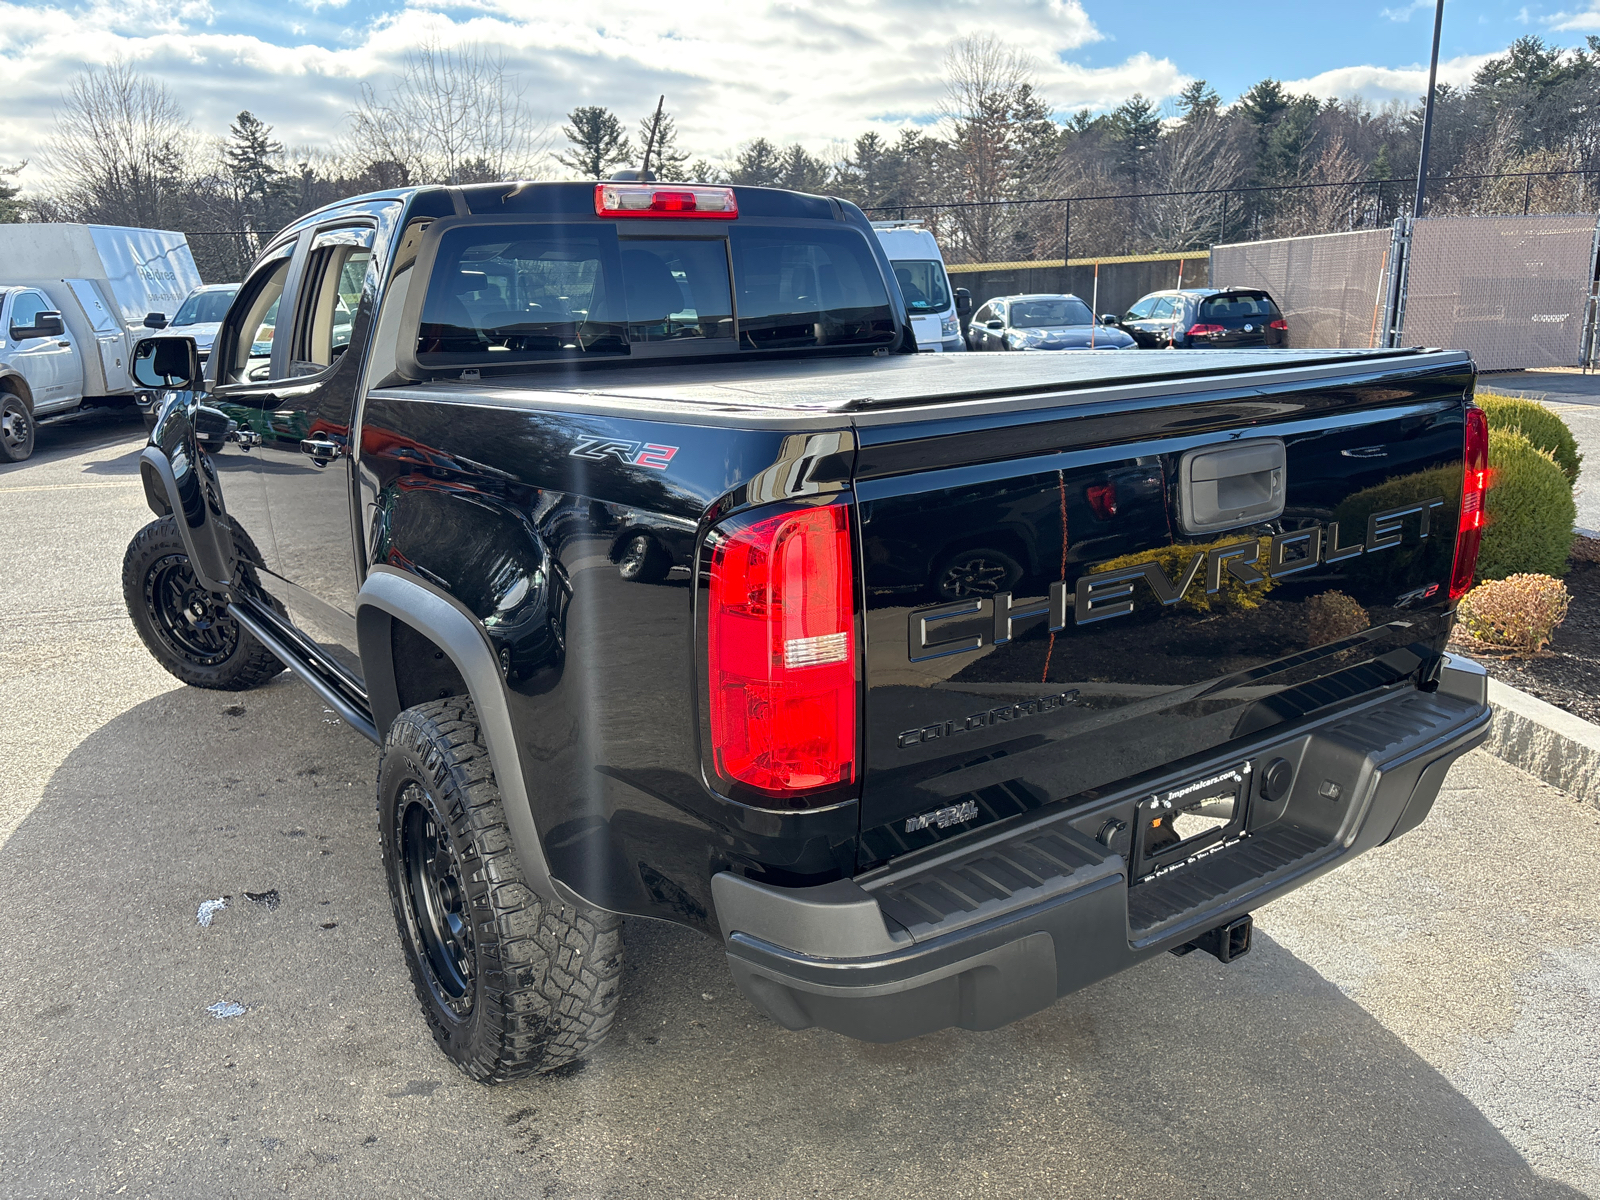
[1101, 595]
[670, 581]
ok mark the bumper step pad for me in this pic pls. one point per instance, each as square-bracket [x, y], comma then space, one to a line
[1248, 863]
[995, 879]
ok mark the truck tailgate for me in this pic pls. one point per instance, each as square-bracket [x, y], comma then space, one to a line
[1063, 597]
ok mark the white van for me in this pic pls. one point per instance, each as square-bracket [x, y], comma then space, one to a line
[935, 306]
[73, 300]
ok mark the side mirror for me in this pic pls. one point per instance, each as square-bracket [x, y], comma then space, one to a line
[48, 324]
[169, 362]
[963, 301]
[995, 324]
[155, 320]
[1110, 319]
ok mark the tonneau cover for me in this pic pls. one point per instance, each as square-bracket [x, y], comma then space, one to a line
[863, 387]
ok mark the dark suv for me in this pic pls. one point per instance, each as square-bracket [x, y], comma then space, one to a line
[1206, 317]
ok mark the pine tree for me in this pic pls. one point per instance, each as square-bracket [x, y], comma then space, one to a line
[598, 140]
[1134, 135]
[668, 160]
[252, 156]
[1198, 102]
[802, 172]
[11, 206]
[758, 164]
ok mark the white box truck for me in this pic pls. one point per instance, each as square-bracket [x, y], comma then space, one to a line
[935, 307]
[73, 300]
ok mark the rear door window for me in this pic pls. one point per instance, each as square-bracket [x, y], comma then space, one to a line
[523, 291]
[808, 287]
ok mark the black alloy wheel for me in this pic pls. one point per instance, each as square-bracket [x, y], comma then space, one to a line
[187, 629]
[436, 901]
[16, 429]
[510, 983]
[977, 574]
[189, 619]
[644, 560]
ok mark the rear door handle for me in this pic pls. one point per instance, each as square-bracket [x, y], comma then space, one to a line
[322, 450]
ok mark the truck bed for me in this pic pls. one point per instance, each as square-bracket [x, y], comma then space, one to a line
[812, 392]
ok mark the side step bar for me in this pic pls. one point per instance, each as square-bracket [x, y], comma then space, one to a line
[351, 709]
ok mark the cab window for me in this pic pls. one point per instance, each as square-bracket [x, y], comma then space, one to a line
[808, 287]
[923, 284]
[251, 357]
[25, 310]
[336, 274]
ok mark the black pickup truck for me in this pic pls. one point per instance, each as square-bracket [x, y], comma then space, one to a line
[673, 583]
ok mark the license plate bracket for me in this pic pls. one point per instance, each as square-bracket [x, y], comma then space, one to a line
[1176, 824]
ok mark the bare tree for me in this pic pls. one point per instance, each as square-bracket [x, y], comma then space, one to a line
[452, 115]
[992, 111]
[1324, 209]
[122, 149]
[1199, 155]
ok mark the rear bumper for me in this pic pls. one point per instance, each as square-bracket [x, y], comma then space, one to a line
[999, 927]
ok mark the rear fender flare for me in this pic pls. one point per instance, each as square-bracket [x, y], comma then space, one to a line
[390, 595]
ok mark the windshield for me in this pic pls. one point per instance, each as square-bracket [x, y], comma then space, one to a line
[923, 284]
[565, 290]
[203, 308]
[1046, 314]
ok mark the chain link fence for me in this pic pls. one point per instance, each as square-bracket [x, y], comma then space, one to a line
[1513, 290]
[1333, 288]
[1516, 291]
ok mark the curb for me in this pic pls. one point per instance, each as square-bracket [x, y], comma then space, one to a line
[1547, 742]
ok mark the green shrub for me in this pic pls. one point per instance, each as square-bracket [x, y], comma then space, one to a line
[1414, 557]
[1175, 560]
[1530, 510]
[1536, 423]
[1518, 614]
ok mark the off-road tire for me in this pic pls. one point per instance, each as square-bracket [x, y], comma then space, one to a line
[156, 564]
[543, 978]
[17, 430]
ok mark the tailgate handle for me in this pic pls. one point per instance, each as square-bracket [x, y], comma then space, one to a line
[1221, 487]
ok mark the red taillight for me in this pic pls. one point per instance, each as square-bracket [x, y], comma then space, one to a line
[664, 200]
[781, 651]
[1475, 482]
[1280, 324]
[1204, 330]
[1102, 498]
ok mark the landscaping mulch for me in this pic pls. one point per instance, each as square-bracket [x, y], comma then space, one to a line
[1567, 674]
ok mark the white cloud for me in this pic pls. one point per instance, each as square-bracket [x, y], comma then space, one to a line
[1406, 13]
[1589, 18]
[1387, 83]
[812, 72]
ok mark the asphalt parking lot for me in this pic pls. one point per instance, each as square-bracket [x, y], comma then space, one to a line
[1420, 1024]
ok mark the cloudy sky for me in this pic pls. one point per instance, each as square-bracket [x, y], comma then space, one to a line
[809, 71]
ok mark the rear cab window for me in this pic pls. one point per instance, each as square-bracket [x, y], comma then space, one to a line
[510, 293]
[1237, 306]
